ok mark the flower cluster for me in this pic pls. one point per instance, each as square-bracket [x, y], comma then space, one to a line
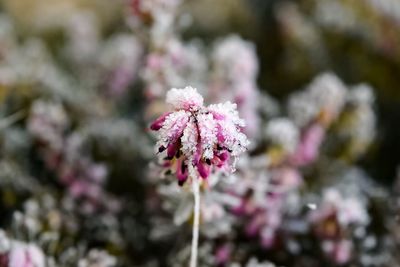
[197, 138]
[61, 153]
[331, 220]
[35, 238]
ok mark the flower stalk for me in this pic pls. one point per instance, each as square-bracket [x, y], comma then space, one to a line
[196, 222]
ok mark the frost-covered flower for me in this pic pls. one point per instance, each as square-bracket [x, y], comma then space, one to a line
[308, 149]
[196, 138]
[328, 92]
[283, 133]
[234, 71]
[120, 58]
[301, 110]
[262, 205]
[322, 100]
[25, 255]
[343, 211]
[235, 59]
[332, 220]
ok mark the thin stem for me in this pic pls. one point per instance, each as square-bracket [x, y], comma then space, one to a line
[195, 238]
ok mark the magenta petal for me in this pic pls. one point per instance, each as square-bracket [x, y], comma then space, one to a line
[222, 254]
[182, 172]
[216, 161]
[223, 156]
[218, 116]
[172, 149]
[240, 209]
[158, 123]
[312, 141]
[308, 148]
[203, 169]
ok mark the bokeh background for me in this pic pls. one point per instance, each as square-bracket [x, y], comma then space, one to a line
[81, 80]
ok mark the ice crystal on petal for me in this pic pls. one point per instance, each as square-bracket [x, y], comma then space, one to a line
[187, 99]
[227, 111]
[173, 126]
[208, 135]
[189, 139]
[284, 133]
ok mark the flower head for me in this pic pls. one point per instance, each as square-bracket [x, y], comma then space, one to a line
[27, 255]
[197, 139]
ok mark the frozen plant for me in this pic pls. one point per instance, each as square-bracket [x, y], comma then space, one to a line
[234, 74]
[283, 135]
[194, 140]
[120, 58]
[332, 219]
[172, 66]
[83, 178]
[321, 101]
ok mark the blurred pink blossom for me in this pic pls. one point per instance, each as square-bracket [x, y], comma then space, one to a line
[26, 255]
[308, 148]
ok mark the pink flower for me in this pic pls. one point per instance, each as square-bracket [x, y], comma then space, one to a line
[340, 251]
[22, 255]
[235, 68]
[223, 254]
[308, 148]
[194, 139]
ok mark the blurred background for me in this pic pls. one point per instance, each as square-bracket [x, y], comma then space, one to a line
[316, 81]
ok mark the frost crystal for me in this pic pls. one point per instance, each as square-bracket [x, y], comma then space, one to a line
[186, 99]
[197, 139]
[284, 133]
[323, 99]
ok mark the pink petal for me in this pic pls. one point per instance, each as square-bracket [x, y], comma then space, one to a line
[158, 123]
[172, 149]
[181, 172]
[204, 169]
[224, 156]
[308, 148]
